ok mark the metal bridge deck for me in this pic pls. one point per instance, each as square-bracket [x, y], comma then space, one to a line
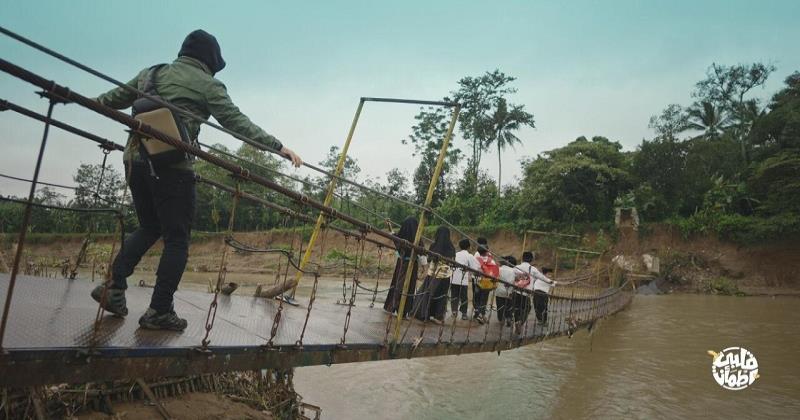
[51, 335]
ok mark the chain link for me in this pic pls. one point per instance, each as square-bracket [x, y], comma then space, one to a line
[358, 262]
[378, 279]
[223, 271]
[313, 296]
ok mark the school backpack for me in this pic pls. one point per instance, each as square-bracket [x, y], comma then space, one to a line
[490, 268]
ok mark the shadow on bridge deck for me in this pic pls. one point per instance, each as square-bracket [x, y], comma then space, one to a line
[51, 336]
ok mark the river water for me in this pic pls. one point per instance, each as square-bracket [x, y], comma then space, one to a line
[647, 362]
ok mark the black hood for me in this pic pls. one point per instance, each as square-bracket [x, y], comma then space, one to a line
[442, 244]
[203, 46]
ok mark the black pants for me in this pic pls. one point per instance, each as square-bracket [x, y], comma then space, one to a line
[458, 298]
[165, 209]
[432, 300]
[480, 297]
[522, 306]
[540, 305]
[505, 309]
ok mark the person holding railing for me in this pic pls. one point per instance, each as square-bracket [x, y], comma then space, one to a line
[482, 286]
[503, 294]
[408, 230]
[160, 177]
[461, 278]
[433, 297]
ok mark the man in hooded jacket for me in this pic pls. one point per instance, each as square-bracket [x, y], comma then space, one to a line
[164, 197]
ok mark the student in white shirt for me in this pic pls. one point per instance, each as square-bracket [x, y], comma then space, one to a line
[503, 292]
[480, 295]
[459, 280]
[522, 301]
[540, 285]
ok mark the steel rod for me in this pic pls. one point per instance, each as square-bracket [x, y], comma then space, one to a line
[145, 129]
[23, 230]
[411, 101]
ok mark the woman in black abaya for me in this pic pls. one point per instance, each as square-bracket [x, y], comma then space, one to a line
[433, 293]
[408, 230]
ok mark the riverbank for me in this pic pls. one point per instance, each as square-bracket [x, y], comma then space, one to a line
[697, 264]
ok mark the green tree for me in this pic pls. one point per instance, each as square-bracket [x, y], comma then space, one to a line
[427, 137]
[659, 166]
[97, 186]
[704, 116]
[726, 88]
[505, 121]
[671, 122]
[575, 183]
[480, 97]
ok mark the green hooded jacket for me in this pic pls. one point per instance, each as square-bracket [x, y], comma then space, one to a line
[188, 83]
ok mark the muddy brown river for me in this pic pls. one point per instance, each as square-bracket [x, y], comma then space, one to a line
[647, 362]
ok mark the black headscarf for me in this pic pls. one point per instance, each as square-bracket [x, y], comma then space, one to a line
[408, 231]
[202, 46]
[442, 244]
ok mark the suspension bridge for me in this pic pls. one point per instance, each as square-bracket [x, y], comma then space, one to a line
[52, 332]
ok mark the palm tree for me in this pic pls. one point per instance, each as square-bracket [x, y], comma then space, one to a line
[709, 119]
[504, 122]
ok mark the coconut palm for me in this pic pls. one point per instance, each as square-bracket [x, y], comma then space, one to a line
[505, 122]
[709, 119]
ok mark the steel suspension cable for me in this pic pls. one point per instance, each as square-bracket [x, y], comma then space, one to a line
[189, 114]
[147, 130]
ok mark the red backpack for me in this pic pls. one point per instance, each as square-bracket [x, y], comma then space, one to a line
[490, 268]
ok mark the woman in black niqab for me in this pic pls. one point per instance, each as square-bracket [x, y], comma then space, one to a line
[432, 302]
[408, 230]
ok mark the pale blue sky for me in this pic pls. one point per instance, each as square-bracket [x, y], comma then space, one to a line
[298, 68]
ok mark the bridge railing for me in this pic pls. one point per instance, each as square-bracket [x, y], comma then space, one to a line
[565, 313]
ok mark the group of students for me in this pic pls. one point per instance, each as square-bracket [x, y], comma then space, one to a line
[429, 302]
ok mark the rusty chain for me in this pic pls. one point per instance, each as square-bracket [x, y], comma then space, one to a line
[223, 270]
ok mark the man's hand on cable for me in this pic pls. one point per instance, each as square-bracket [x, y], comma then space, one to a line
[289, 154]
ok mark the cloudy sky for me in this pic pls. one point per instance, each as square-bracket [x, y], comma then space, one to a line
[298, 68]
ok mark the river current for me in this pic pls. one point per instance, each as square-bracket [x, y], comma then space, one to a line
[647, 362]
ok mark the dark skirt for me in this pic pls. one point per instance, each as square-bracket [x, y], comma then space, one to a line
[395, 290]
[432, 299]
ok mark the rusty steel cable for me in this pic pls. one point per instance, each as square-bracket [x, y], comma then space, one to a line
[221, 274]
[202, 120]
[26, 217]
[351, 303]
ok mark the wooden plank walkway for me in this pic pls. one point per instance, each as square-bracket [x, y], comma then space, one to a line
[51, 335]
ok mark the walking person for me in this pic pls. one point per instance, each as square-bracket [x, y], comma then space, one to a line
[161, 178]
[461, 279]
[408, 230]
[503, 293]
[433, 293]
[481, 287]
[521, 299]
[542, 285]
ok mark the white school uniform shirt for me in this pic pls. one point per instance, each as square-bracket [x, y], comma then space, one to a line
[507, 275]
[525, 268]
[461, 277]
[541, 282]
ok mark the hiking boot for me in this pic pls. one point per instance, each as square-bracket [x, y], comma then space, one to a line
[152, 320]
[114, 301]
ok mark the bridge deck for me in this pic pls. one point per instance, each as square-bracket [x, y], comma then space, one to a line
[51, 335]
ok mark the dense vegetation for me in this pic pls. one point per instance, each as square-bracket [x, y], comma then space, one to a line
[726, 164]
